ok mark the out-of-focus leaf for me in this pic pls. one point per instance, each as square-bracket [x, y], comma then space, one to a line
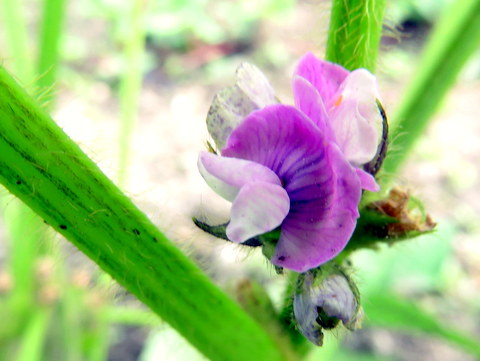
[393, 312]
[33, 340]
[405, 265]
[455, 38]
[344, 355]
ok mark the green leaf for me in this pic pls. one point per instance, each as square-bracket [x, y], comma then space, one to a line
[33, 340]
[391, 311]
[453, 41]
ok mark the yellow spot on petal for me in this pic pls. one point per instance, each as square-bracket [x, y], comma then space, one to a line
[339, 101]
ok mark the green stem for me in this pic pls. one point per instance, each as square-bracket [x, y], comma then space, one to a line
[27, 238]
[33, 340]
[354, 33]
[50, 34]
[130, 316]
[17, 39]
[454, 39]
[44, 168]
[130, 84]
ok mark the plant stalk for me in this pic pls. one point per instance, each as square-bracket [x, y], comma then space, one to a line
[48, 171]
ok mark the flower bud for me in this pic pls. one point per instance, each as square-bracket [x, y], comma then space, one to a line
[326, 296]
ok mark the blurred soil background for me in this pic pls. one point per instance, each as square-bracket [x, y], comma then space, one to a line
[192, 50]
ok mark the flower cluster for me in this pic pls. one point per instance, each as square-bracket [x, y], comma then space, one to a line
[295, 168]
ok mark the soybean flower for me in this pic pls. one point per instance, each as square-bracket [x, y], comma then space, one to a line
[295, 168]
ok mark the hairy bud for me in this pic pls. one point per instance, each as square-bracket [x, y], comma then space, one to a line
[324, 297]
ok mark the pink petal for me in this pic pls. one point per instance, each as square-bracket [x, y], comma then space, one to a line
[367, 181]
[227, 175]
[258, 208]
[326, 77]
[355, 118]
[308, 100]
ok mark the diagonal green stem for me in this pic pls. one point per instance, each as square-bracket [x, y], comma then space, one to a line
[354, 33]
[44, 168]
[455, 38]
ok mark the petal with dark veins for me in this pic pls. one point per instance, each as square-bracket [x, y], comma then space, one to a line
[316, 231]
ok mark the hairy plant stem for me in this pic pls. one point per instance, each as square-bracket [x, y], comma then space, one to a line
[354, 33]
[44, 168]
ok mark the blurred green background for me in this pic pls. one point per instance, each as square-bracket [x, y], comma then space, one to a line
[131, 82]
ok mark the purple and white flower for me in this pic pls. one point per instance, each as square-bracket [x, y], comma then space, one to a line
[295, 167]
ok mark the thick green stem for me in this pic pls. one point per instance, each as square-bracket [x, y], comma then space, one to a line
[44, 168]
[354, 33]
[454, 39]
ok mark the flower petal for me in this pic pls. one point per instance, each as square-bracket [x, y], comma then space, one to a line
[227, 175]
[315, 231]
[281, 138]
[322, 295]
[258, 208]
[367, 181]
[229, 106]
[336, 298]
[326, 77]
[305, 311]
[255, 85]
[308, 100]
[355, 117]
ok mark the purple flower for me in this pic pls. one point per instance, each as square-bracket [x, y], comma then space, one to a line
[294, 167]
